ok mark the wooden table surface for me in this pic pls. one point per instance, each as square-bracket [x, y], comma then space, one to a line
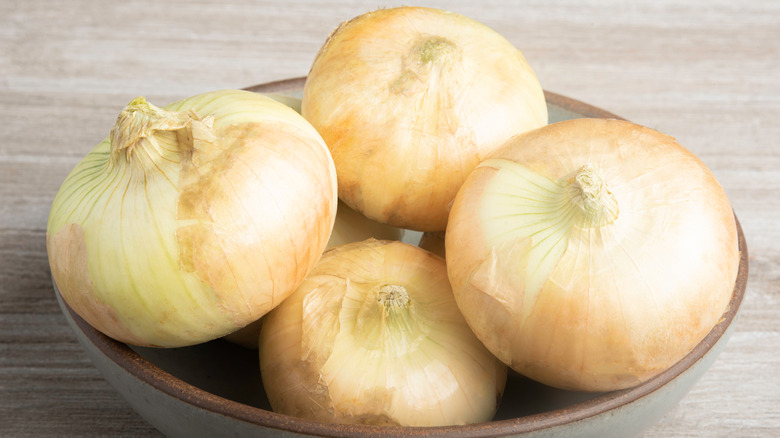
[703, 71]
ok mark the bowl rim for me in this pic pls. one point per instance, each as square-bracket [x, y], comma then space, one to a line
[145, 371]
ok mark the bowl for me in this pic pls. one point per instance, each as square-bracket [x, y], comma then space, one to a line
[214, 389]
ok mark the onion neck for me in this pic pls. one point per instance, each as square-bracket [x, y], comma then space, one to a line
[393, 297]
[388, 320]
[425, 60]
[432, 49]
[144, 132]
[596, 205]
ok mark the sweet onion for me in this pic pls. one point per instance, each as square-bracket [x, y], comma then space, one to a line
[192, 220]
[592, 254]
[373, 336]
[410, 100]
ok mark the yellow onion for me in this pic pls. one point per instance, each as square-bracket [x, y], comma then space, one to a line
[592, 254]
[350, 226]
[409, 100]
[192, 220]
[373, 336]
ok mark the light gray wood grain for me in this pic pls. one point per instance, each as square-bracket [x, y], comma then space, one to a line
[706, 72]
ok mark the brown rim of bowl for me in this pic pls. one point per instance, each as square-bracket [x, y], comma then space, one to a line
[147, 372]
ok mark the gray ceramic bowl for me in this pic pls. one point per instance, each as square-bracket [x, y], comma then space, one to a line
[215, 390]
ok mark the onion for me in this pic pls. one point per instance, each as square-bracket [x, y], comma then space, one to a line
[350, 226]
[191, 221]
[410, 100]
[592, 254]
[373, 336]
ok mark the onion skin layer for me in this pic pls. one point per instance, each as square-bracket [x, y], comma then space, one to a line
[592, 307]
[339, 350]
[188, 226]
[410, 100]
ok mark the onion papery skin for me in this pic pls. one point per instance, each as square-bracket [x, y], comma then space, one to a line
[340, 351]
[410, 100]
[592, 302]
[194, 220]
